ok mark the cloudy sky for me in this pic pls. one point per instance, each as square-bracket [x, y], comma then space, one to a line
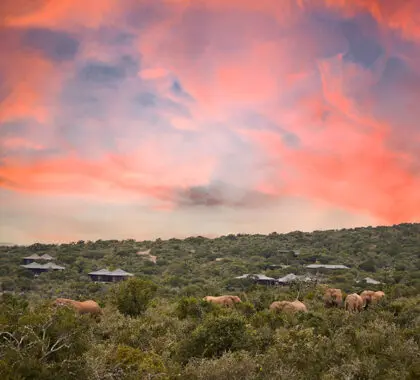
[168, 118]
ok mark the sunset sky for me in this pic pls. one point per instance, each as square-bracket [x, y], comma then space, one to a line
[168, 118]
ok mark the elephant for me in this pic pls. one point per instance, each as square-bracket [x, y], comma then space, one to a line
[371, 297]
[288, 306]
[378, 296]
[226, 300]
[353, 302]
[367, 297]
[82, 307]
[333, 297]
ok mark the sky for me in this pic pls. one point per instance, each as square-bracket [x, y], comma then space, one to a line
[154, 119]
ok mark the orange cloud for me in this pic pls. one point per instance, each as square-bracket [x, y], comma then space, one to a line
[148, 173]
[360, 175]
[25, 78]
[61, 14]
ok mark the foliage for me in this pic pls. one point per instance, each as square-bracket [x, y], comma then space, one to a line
[216, 335]
[134, 363]
[192, 307]
[133, 296]
[41, 342]
[157, 326]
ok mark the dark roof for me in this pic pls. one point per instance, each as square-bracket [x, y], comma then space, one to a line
[35, 265]
[100, 272]
[120, 272]
[286, 279]
[105, 272]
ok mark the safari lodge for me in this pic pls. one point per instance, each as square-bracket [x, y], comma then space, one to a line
[35, 257]
[40, 268]
[104, 275]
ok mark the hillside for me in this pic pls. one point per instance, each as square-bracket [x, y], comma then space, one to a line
[155, 326]
[388, 254]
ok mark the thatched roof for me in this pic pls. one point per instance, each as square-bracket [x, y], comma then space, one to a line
[35, 265]
[260, 277]
[120, 272]
[99, 272]
[105, 272]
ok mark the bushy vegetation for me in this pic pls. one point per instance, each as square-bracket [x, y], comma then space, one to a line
[133, 297]
[156, 325]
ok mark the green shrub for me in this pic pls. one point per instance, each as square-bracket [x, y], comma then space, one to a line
[267, 317]
[246, 308]
[233, 366]
[133, 296]
[137, 364]
[192, 307]
[42, 343]
[215, 336]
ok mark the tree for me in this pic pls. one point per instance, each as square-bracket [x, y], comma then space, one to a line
[133, 296]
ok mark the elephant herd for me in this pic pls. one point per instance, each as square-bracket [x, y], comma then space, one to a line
[353, 302]
[332, 298]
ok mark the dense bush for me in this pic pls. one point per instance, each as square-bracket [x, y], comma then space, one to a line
[188, 338]
[215, 336]
[157, 326]
[133, 296]
[40, 342]
[192, 307]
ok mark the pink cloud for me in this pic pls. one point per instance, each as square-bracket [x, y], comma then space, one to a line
[346, 159]
[153, 73]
